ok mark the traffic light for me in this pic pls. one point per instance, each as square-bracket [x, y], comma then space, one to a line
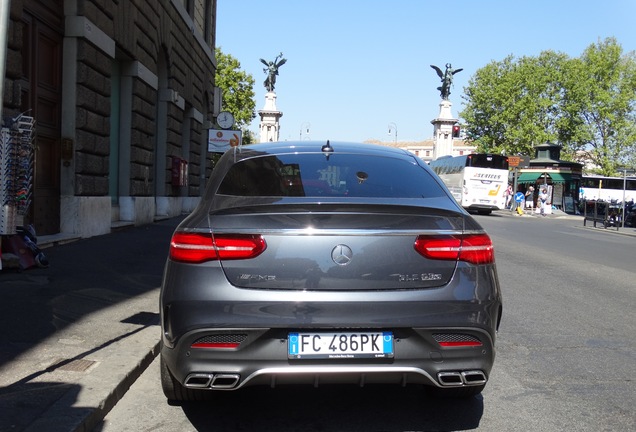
[456, 131]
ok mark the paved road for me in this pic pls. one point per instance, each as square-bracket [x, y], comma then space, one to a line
[566, 355]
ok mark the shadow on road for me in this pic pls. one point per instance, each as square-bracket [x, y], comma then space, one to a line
[337, 408]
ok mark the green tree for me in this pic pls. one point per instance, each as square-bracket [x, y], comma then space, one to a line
[512, 105]
[249, 137]
[586, 104]
[599, 106]
[237, 89]
[488, 94]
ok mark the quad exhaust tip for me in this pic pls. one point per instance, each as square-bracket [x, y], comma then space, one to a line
[212, 380]
[464, 378]
[231, 380]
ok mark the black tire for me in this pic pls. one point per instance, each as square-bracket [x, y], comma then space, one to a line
[174, 391]
[457, 392]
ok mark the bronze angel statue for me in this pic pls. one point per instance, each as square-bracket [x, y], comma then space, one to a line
[272, 71]
[447, 79]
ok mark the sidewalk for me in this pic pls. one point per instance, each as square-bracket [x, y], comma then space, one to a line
[555, 213]
[579, 219]
[77, 334]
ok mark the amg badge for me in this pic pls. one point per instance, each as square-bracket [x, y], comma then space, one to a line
[420, 277]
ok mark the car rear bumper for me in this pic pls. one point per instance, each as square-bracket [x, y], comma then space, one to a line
[261, 359]
[261, 321]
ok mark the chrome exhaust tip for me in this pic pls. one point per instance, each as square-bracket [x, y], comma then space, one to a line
[474, 377]
[465, 378]
[450, 379]
[198, 380]
[225, 381]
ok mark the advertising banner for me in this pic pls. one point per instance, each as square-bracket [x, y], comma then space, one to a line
[220, 140]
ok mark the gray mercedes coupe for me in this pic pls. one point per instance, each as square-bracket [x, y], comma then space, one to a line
[325, 263]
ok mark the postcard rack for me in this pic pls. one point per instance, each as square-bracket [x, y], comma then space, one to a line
[16, 171]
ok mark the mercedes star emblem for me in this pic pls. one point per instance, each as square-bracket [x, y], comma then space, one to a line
[342, 255]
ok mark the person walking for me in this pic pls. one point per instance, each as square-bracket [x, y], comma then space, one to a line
[508, 195]
[543, 200]
[530, 198]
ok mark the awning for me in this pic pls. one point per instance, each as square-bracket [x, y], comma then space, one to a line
[560, 177]
[532, 177]
[529, 177]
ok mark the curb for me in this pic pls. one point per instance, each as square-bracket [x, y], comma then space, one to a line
[103, 387]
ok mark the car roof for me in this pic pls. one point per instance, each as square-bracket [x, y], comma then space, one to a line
[280, 147]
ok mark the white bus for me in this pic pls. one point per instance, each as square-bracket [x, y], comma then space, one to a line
[477, 181]
[595, 187]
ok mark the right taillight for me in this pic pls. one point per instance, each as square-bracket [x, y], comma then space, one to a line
[197, 247]
[472, 248]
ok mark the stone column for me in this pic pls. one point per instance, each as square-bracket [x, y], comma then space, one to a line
[270, 116]
[443, 130]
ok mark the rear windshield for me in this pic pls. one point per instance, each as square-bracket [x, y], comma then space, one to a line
[340, 175]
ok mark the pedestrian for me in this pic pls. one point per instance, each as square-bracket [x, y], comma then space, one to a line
[508, 196]
[530, 197]
[543, 200]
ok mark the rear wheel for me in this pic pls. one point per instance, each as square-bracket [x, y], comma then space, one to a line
[174, 391]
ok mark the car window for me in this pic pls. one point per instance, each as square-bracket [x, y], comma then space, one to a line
[314, 175]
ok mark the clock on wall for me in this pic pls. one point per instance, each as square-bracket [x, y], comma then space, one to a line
[225, 120]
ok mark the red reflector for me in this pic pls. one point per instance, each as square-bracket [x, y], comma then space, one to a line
[212, 345]
[198, 248]
[460, 343]
[472, 248]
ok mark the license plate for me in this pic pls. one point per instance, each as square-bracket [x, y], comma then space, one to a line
[340, 345]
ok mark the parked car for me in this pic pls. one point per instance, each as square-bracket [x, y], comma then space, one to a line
[327, 263]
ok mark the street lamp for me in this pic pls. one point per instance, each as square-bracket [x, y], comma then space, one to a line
[393, 126]
[305, 127]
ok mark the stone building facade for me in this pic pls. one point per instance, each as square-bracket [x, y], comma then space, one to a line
[122, 93]
[425, 150]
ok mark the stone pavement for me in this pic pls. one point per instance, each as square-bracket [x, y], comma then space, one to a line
[77, 334]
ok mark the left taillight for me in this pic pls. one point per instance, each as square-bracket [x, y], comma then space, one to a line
[472, 248]
[197, 247]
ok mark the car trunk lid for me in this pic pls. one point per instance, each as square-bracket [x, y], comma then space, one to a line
[348, 248]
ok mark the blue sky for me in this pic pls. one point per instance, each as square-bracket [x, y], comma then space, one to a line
[355, 66]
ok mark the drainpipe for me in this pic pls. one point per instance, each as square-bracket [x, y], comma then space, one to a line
[5, 6]
[4, 30]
